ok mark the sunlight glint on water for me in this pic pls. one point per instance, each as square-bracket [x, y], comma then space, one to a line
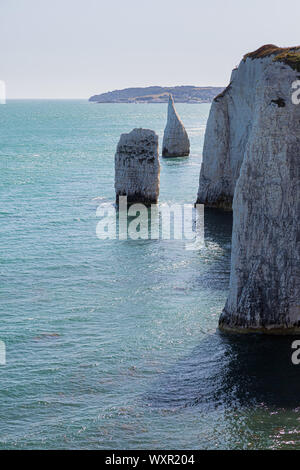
[113, 344]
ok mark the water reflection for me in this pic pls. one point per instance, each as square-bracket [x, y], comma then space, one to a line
[232, 371]
[217, 226]
[242, 391]
[214, 262]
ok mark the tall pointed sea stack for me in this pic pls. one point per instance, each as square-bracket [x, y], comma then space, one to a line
[137, 167]
[253, 151]
[175, 142]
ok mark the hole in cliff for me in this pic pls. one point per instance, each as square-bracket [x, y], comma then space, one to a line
[280, 102]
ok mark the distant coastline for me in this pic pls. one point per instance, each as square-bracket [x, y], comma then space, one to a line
[158, 94]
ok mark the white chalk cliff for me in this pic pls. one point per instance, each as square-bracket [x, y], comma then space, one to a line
[175, 142]
[252, 151]
[230, 125]
[137, 167]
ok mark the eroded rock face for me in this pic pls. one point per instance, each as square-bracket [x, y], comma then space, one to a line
[230, 122]
[137, 167]
[175, 142]
[261, 158]
[227, 133]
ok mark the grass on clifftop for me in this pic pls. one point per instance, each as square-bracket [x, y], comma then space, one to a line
[287, 55]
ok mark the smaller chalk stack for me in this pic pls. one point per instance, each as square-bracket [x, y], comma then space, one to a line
[175, 142]
[137, 167]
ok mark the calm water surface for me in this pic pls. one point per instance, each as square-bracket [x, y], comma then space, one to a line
[114, 344]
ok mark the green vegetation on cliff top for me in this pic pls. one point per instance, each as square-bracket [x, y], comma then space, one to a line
[287, 55]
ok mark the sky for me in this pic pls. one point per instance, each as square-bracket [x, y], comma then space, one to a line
[77, 48]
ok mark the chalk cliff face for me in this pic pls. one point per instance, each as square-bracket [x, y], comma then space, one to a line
[137, 167]
[175, 142]
[256, 131]
[231, 119]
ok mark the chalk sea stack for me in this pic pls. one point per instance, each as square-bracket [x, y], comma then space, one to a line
[175, 142]
[137, 167]
[252, 154]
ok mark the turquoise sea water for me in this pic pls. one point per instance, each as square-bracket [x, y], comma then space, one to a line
[113, 344]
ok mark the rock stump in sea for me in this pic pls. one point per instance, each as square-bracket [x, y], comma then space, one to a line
[175, 142]
[137, 167]
[252, 154]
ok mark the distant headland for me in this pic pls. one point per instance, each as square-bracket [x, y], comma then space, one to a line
[158, 94]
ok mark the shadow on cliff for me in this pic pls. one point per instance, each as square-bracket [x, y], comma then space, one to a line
[217, 235]
[233, 372]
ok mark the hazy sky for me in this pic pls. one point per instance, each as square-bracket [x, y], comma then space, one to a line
[76, 48]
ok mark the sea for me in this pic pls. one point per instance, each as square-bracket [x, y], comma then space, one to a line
[114, 344]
